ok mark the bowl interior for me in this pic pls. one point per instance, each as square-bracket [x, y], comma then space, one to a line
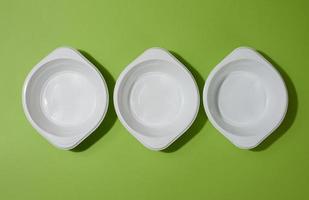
[246, 98]
[65, 97]
[157, 98]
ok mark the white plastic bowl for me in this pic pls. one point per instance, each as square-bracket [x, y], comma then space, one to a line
[245, 98]
[156, 98]
[65, 98]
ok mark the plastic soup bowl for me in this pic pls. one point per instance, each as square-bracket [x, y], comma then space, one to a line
[245, 98]
[65, 98]
[156, 98]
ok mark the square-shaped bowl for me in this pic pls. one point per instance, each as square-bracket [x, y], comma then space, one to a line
[156, 98]
[65, 97]
[245, 98]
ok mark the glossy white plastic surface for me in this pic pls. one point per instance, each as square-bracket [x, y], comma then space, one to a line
[245, 98]
[156, 98]
[65, 97]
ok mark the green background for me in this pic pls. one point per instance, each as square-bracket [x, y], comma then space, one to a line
[111, 164]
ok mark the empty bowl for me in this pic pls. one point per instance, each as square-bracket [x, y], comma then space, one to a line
[245, 98]
[156, 98]
[65, 97]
